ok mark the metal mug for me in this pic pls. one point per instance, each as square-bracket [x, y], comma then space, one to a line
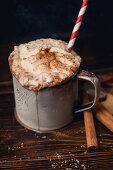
[53, 107]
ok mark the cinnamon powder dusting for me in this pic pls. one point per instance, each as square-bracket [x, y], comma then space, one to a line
[43, 63]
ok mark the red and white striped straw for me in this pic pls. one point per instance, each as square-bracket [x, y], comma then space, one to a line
[77, 24]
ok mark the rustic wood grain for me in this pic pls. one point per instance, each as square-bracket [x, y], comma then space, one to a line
[61, 149]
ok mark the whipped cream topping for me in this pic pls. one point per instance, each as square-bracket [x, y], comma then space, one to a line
[43, 63]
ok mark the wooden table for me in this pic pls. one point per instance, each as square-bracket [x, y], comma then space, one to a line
[61, 149]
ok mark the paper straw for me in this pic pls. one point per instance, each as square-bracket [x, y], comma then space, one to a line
[77, 25]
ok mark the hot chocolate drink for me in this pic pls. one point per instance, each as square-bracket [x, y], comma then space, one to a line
[47, 63]
[43, 63]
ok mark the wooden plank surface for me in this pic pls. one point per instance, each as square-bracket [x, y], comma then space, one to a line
[64, 148]
[61, 149]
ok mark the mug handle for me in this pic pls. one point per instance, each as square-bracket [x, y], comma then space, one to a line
[88, 76]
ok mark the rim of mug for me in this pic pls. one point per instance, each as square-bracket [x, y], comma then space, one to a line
[64, 82]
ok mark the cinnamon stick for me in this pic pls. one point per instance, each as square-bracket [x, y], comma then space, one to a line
[91, 136]
[108, 103]
[104, 116]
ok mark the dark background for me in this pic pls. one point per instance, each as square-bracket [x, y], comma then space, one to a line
[26, 20]
[31, 19]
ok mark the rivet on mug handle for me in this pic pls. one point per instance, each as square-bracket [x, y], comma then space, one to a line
[88, 76]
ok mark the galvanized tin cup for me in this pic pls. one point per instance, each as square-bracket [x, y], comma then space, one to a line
[51, 108]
